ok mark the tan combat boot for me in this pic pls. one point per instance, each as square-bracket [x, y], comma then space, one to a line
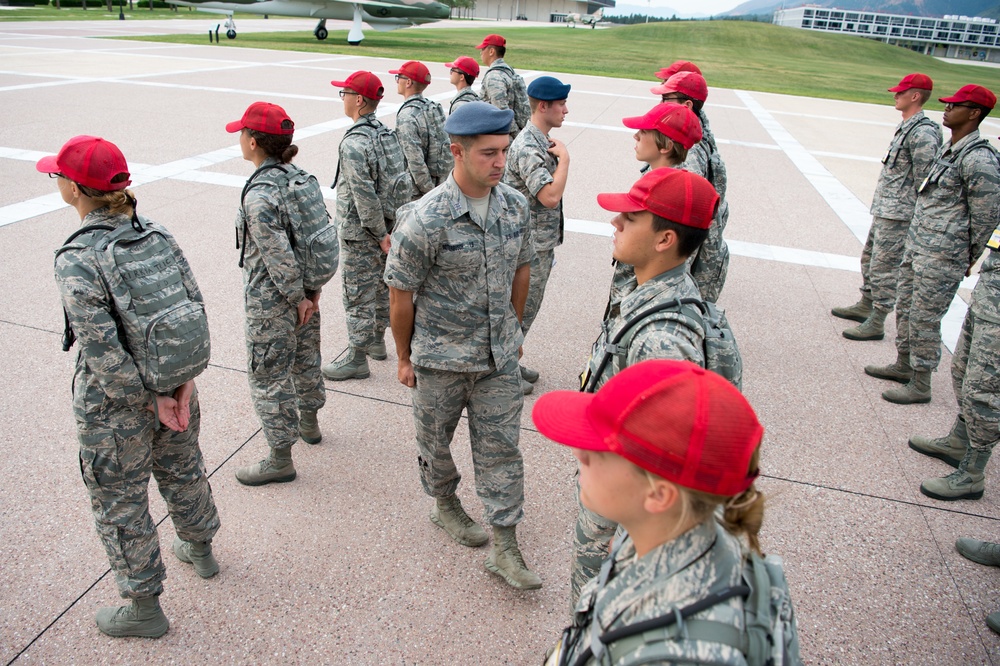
[277, 467]
[872, 328]
[981, 552]
[377, 349]
[966, 482]
[917, 391]
[860, 311]
[449, 515]
[139, 617]
[900, 371]
[309, 427]
[950, 448]
[198, 553]
[352, 366]
[506, 561]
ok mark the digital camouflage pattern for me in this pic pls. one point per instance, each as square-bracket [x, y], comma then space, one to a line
[499, 88]
[359, 210]
[420, 129]
[975, 367]
[703, 560]
[953, 219]
[669, 338]
[120, 443]
[493, 400]
[907, 162]
[461, 270]
[464, 96]
[529, 168]
[283, 362]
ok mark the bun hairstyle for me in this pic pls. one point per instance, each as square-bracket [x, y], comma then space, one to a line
[118, 202]
[278, 146]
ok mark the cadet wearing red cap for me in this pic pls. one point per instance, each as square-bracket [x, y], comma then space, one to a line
[671, 452]
[662, 220]
[124, 388]
[463, 73]
[677, 66]
[956, 211]
[420, 129]
[710, 264]
[904, 167]
[368, 157]
[502, 86]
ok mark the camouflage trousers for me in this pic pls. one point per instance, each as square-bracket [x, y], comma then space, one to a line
[591, 540]
[117, 457]
[283, 367]
[541, 268]
[493, 402]
[366, 296]
[925, 290]
[880, 259]
[975, 373]
[710, 264]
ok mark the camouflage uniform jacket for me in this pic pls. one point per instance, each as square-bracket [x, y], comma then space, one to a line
[905, 165]
[499, 90]
[272, 277]
[986, 295]
[462, 271]
[668, 338]
[699, 159]
[956, 210]
[464, 96]
[529, 168]
[106, 379]
[703, 560]
[416, 130]
[359, 211]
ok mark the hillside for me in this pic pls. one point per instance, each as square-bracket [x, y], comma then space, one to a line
[936, 8]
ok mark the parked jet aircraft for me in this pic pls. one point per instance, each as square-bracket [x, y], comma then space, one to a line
[381, 15]
[587, 19]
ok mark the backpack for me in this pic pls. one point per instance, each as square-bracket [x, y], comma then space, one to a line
[770, 636]
[519, 93]
[722, 354]
[393, 183]
[438, 154]
[162, 329]
[312, 236]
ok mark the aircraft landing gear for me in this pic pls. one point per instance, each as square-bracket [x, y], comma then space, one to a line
[230, 28]
[355, 36]
[320, 31]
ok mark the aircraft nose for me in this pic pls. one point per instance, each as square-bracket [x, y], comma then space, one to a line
[440, 11]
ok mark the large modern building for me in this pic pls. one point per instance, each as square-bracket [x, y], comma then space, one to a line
[534, 10]
[964, 37]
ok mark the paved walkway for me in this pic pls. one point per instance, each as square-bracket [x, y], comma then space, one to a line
[343, 566]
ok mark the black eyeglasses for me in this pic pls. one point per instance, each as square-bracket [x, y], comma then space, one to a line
[456, 70]
[951, 105]
[344, 93]
[671, 98]
[56, 175]
[400, 76]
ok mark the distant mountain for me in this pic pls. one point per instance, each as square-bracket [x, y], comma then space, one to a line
[935, 8]
[645, 10]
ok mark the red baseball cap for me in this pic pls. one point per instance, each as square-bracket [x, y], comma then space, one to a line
[915, 80]
[492, 40]
[673, 194]
[676, 121]
[365, 84]
[691, 84]
[89, 161]
[415, 71]
[972, 93]
[678, 66]
[263, 117]
[672, 418]
[466, 64]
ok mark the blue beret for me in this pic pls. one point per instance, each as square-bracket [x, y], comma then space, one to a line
[548, 89]
[478, 118]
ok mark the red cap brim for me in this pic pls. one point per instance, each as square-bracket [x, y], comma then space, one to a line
[951, 100]
[338, 84]
[47, 165]
[638, 123]
[898, 88]
[661, 89]
[618, 203]
[234, 126]
[562, 417]
[395, 71]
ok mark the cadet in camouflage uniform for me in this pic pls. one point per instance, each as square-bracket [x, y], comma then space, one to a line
[458, 274]
[953, 219]
[282, 316]
[420, 128]
[537, 167]
[905, 165]
[364, 236]
[975, 371]
[662, 220]
[498, 89]
[463, 73]
[118, 419]
[671, 451]
[710, 264]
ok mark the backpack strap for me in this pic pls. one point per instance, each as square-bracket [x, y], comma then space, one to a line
[356, 129]
[69, 337]
[412, 101]
[250, 184]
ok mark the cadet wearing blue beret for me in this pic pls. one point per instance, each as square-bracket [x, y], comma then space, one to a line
[548, 89]
[477, 118]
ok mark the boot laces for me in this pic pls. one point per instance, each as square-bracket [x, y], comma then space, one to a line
[456, 510]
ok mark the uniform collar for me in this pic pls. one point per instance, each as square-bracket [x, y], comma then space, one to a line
[458, 203]
[666, 281]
